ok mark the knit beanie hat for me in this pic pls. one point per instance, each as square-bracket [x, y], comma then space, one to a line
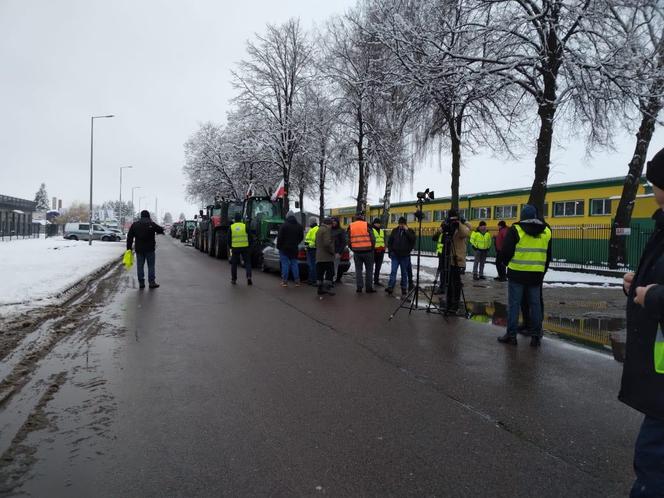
[655, 171]
[528, 212]
[145, 214]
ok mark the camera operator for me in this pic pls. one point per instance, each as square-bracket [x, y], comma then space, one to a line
[457, 230]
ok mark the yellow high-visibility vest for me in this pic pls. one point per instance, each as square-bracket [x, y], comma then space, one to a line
[379, 235]
[530, 252]
[480, 240]
[659, 351]
[310, 239]
[440, 245]
[239, 237]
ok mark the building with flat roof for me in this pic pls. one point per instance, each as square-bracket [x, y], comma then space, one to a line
[16, 216]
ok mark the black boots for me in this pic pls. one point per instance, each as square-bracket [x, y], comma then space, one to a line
[535, 341]
[153, 285]
[508, 339]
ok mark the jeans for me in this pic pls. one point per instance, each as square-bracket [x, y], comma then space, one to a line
[399, 262]
[235, 260]
[289, 265]
[141, 258]
[311, 260]
[480, 260]
[378, 262]
[517, 292]
[364, 259]
[649, 460]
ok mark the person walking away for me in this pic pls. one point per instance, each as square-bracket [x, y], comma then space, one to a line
[642, 384]
[290, 235]
[310, 245]
[527, 250]
[500, 265]
[439, 239]
[379, 250]
[238, 243]
[142, 232]
[480, 240]
[362, 244]
[460, 230]
[340, 244]
[325, 251]
[399, 245]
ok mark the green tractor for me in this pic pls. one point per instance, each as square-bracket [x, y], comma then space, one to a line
[263, 217]
[219, 218]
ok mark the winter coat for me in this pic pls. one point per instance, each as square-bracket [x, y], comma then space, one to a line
[340, 240]
[460, 241]
[500, 238]
[642, 387]
[143, 231]
[532, 227]
[401, 242]
[324, 245]
[290, 235]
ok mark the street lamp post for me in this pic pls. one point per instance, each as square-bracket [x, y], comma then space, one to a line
[92, 141]
[121, 217]
[133, 209]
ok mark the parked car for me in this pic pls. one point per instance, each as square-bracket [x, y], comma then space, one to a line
[118, 233]
[271, 260]
[81, 231]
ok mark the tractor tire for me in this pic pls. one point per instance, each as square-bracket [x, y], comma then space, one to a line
[210, 245]
[223, 238]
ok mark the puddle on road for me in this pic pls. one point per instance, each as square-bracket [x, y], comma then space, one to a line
[593, 331]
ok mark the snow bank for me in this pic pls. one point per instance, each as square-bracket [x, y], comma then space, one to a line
[556, 277]
[33, 270]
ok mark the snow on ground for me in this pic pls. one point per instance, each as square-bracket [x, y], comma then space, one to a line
[555, 278]
[34, 270]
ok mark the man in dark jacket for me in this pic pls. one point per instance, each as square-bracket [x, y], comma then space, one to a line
[399, 246]
[290, 235]
[642, 385]
[340, 244]
[143, 232]
[527, 252]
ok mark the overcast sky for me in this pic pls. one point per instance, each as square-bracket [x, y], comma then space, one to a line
[162, 67]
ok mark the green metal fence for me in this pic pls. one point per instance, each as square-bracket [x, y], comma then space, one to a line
[574, 247]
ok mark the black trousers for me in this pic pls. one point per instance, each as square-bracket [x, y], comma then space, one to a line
[500, 266]
[454, 288]
[325, 271]
[442, 272]
[235, 260]
[378, 262]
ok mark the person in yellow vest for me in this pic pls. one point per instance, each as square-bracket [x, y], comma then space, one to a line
[379, 250]
[361, 241]
[439, 239]
[310, 245]
[238, 242]
[480, 240]
[527, 252]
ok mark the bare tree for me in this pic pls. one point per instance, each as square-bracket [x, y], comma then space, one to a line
[430, 41]
[270, 81]
[639, 47]
[350, 62]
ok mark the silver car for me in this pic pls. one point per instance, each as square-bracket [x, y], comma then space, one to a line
[81, 231]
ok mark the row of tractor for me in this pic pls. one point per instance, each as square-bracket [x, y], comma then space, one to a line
[262, 215]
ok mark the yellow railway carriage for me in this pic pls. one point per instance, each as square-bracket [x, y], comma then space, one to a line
[580, 214]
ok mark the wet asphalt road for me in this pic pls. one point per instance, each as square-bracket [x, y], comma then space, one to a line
[204, 389]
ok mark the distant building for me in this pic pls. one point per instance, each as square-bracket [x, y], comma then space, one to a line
[16, 216]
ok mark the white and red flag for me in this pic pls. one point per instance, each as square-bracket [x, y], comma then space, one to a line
[280, 192]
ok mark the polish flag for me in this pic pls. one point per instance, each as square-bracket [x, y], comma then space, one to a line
[280, 192]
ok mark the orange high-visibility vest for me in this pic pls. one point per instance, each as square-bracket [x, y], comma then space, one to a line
[359, 236]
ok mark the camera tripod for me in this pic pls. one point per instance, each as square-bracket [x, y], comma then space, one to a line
[412, 299]
[449, 255]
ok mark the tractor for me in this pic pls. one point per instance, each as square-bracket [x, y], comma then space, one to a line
[263, 217]
[219, 218]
